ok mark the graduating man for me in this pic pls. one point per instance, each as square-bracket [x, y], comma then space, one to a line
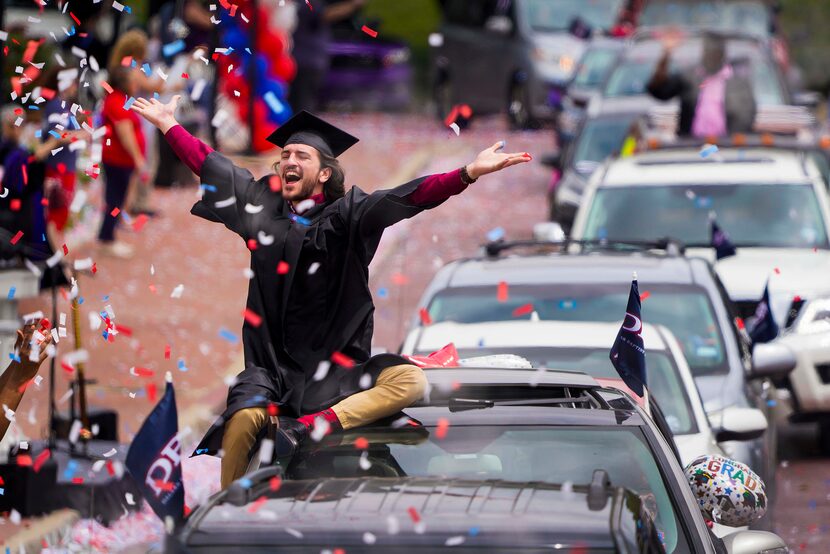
[310, 286]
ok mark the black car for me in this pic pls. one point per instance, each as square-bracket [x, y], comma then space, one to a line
[488, 463]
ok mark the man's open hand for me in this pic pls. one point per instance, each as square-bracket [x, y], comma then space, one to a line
[491, 160]
[160, 115]
[26, 369]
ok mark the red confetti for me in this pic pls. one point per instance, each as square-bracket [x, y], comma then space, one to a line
[275, 183]
[124, 330]
[24, 460]
[77, 480]
[501, 293]
[441, 429]
[361, 443]
[187, 510]
[252, 244]
[22, 388]
[144, 372]
[234, 7]
[310, 7]
[252, 317]
[152, 288]
[273, 410]
[740, 323]
[151, 392]
[400, 279]
[796, 298]
[645, 294]
[523, 310]
[167, 352]
[425, 319]
[115, 211]
[413, 514]
[127, 61]
[75, 19]
[275, 483]
[164, 485]
[17, 237]
[41, 459]
[257, 504]
[94, 268]
[342, 360]
[777, 271]
[372, 33]
[65, 250]
[185, 76]
[106, 86]
[110, 468]
[139, 222]
[14, 205]
[282, 268]
[25, 174]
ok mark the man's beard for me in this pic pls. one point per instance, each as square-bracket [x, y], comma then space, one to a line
[302, 189]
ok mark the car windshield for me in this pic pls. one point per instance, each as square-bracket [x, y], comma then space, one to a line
[601, 138]
[664, 380]
[631, 77]
[557, 15]
[684, 309]
[594, 67]
[527, 453]
[752, 215]
[743, 16]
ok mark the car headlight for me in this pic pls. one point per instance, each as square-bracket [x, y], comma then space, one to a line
[562, 63]
[815, 317]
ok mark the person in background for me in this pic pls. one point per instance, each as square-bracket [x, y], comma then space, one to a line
[22, 369]
[311, 38]
[715, 98]
[123, 158]
[130, 52]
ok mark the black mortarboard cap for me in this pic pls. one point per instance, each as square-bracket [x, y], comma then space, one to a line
[307, 128]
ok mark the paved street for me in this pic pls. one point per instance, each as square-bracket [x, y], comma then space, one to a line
[209, 261]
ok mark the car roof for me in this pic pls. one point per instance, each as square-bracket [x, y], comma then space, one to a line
[524, 333]
[729, 165]
[570, 268]
[455, 376]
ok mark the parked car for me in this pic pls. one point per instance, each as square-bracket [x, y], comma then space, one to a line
[683, 293]
[489, 463]
[366, 72]
[515, 56]
[774, 205]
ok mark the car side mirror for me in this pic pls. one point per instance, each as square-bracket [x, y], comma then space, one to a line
[738, 424]
[552, 160]
[500, 24]
[772, 360]
[754, 542]
[548, 231]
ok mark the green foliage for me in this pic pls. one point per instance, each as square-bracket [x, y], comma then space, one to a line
[805, 23]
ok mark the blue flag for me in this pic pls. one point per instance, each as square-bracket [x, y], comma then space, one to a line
[628, 353]
[721, 243]
[155, 459]
[763, 327]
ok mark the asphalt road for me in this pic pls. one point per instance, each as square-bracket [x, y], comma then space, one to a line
[209, 261]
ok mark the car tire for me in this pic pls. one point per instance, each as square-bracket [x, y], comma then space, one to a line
[518, 108]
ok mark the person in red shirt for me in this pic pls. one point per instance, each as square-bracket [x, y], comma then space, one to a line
[124, 155]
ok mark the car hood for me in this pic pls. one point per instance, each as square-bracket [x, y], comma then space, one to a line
[418, 511]
[791, 272]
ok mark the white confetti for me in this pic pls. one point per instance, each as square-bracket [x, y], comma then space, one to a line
[294, 532]
[312, 269]
[364, 462]
[226, 202]
[9, 413]
[265, 240]
[94, 321]
[365, 381]
[567, 490]
[55, 258]
[95, 429]
[110, 453]
[177, 291]
[369, 538]
[322, 370]
[30, 317]
[393, 526]
[266, 451]
[98, 465]
[83, 264]
[420, 527]
[75, 431]
[152, 269]
[196, 93]
[455, 541]
[129, 498]
[248, 273]
[305, 205]
[14, 517]
[55, 337]
[456, 129]
[252, 209]
[321, 429]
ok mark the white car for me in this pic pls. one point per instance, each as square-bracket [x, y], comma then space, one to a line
[584, 346]
[774, 205]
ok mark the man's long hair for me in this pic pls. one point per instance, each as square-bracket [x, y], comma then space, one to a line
[335, 187]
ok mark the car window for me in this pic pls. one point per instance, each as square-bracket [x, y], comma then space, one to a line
[742, 16]
[594, 67]
[601, 138]
[752, 214]
[558, 15]
[685, 309]
[664, 381]
[823, 164]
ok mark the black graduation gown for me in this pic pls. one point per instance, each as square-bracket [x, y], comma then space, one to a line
[320, 306]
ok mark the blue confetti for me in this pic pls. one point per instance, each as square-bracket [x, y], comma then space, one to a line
[55, 134]
[80, 300]
[228, 336]
[569, 304]
[105, 298]
[383, 292]
[211, 188]
[14, 356]
[246, 483]
[703, 202]
[181, 365]
[34, 108]
[273, 102]
[708, 150]
[248, 50]
[474, 530]
[133, 63]
[147, 69]
[75, 124]
[2, 491]
[481, 342]
[11, 292]
[771, 402]
[38, 133]
[301, 220]
[129, 103]
[201, 451]
[128, 9]
[495, 234]
[156, 95]
[71, 468]
[127, 219]
[71, 31]
[172, 48]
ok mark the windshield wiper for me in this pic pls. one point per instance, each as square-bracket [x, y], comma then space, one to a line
[462, 404]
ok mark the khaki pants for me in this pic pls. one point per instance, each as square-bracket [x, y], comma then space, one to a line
[396, 388]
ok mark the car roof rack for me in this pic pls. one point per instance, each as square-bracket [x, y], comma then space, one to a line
[672, 247]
